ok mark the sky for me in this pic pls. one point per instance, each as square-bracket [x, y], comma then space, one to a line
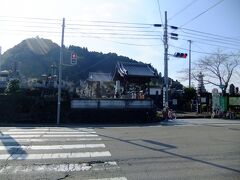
[126, 27]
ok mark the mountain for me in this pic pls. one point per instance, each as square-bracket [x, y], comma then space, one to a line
[35, 56]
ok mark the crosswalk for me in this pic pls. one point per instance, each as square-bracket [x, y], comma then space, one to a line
[55, 153]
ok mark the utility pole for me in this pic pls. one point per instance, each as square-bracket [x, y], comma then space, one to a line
[190, 72]
[165, 41]
[60, 74]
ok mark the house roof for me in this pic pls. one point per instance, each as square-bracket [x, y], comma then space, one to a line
[102, 77]
[135, 70]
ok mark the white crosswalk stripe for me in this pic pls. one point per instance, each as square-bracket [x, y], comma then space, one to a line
[26, 129]
[8, 140]
[48, 132]
[54, 155]
[62, 167]
[54, 135]
[74, 146]
[116, 178]
[46, 150]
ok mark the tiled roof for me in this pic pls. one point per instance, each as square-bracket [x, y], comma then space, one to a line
[136, 69]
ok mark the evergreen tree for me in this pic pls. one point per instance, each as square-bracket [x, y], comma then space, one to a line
[13, 87]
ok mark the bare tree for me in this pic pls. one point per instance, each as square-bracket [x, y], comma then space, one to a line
[218, 68]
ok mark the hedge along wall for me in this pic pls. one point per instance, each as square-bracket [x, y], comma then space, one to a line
[33, 109]
[29, 109]
[12, 106]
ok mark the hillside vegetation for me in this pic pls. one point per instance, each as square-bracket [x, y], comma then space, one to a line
[36, 55]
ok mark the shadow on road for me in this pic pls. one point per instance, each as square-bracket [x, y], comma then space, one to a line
[13, 148]
[164, 149]
[168, 146]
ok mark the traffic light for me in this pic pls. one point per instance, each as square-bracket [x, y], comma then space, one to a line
[73, 58]
[180, 55]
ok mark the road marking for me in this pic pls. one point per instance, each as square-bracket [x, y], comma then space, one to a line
[46, 132]
[54, 155]
[50, 129]
[59, 150]
[67, 167]
[53, 147]
[115, 178]
[47, 135]
[16, 140]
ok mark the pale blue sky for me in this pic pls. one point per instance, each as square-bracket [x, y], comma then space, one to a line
[221, 20]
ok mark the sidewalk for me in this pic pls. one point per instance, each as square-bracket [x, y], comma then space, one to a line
[192, 115]
[188, 115]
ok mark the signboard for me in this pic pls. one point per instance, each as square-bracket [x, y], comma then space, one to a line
[215, 99]
[174, 101]
[203, 100]
[223, 103]
[155, 91]
[234, 101]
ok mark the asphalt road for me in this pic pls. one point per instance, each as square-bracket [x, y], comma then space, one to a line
[179, 149]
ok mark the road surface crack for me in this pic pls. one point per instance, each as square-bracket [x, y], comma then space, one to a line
[64, 177]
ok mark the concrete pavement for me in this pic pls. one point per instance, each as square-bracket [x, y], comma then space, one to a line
[178, 149]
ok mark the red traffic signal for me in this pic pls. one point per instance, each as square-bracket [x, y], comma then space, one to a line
[74, 55]
[73, 58]
[180, 55]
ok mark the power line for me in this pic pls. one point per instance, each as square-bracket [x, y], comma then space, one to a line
[200, 32]
[33, 22]
[120, 34]
[100, 23]
[125, 30]
[38, 31]
[30, 18]
[202, 13]
[132, 44]
[115, 34]
[200, 52]
[211, 37]
[103, 25]
[26, 19]
[79, 24]
[31, 26]
[159, 10]
[201, 42]
[211, 40]
[183, 9]
[115, 37]
[114, 22]
[113, 29]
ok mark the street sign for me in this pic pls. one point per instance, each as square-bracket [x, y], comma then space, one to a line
[73, 58]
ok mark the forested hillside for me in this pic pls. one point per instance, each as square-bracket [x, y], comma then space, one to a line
[36, 55]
